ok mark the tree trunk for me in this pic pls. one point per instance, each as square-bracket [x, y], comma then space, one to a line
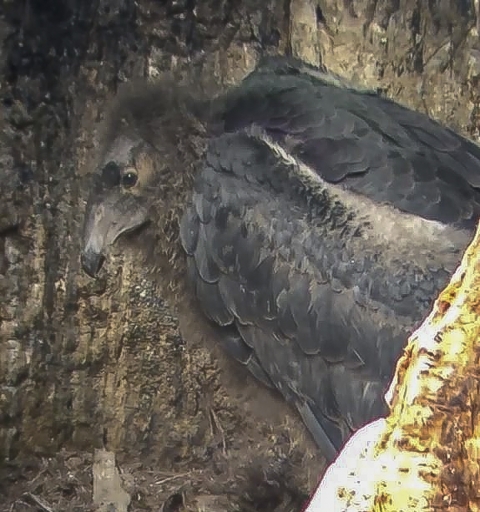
[88, 364]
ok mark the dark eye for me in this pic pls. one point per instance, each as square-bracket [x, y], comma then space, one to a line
[111, 174]
[129, 179]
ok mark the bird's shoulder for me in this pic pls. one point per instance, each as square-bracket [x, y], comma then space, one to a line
[362, 140]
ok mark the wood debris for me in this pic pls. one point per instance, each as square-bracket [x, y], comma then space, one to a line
[108, 493]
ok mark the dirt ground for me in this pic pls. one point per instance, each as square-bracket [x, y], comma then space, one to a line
[65, 483]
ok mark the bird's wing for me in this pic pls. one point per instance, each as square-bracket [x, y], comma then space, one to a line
[365, 142]
[325, 324]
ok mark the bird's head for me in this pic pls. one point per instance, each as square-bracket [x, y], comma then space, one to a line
[152, 138]
[121, 198]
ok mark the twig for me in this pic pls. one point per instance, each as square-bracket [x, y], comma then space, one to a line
[37, 477]
[220, 429]
[38, 502]
[168, 479]
[13, 506]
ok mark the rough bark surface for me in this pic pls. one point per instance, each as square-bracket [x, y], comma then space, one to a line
[87, 364]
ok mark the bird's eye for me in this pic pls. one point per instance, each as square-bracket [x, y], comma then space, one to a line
[129, 179]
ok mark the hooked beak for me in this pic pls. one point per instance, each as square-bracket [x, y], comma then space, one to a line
[92, 262]
[103, 225]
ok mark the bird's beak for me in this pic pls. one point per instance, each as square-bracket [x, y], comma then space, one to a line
[104, 223]
[92, 256]
[98, 224]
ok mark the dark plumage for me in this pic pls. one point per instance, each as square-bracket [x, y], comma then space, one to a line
[317, 224]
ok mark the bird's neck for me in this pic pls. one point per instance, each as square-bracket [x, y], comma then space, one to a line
[164, 258]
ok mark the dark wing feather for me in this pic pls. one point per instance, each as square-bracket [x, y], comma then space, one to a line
[369, 143]
[325, 327]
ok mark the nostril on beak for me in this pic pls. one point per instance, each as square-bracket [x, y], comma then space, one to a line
[91, 262]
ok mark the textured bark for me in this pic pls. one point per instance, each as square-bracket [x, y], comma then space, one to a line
[85, 364]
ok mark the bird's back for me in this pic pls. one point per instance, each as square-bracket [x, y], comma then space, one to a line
[365, 142]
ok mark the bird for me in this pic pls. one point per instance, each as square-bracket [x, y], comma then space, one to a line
[310, 222]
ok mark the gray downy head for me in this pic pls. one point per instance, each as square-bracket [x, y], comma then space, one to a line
[119, 201]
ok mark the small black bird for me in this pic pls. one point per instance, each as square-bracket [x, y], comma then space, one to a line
[314, 224]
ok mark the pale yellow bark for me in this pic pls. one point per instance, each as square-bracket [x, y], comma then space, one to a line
[425, 455]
